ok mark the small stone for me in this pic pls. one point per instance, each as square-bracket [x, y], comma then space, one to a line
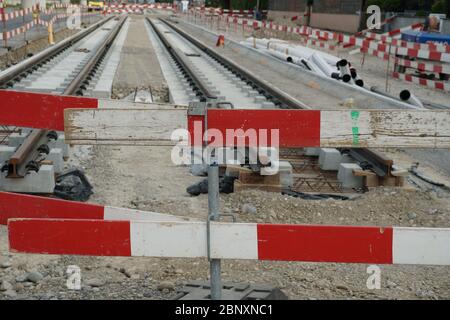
[247, 208]
[5, 286]
[391, 284]
[125, 272]
[34, 277]
[412, 215]
[95, 282]
[10, 293]
[148, 294]
[19, 287]
[6, 264]
[22, 278]
[166, 285]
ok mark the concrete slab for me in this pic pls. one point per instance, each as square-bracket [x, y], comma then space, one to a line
[329, 159]
[34, 182]
[346, 177]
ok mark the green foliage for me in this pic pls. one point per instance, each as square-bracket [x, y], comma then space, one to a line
[421, 13]
[248, 4]
[439, 6]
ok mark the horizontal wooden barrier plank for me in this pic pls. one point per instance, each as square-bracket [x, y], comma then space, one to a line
[295, 128]
[149, 126]
[341, 128]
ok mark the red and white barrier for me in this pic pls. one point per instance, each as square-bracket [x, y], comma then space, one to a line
[312, 243]
[423, 66]
[444, 48]
[439, 85]
[14, 32]
[16, 14]
[13, 205]
[37, 110]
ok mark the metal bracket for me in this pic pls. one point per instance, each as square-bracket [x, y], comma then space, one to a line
[197, 108]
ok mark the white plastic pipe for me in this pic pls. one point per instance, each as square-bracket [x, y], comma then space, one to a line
[322, 65]
[407, 96]
[345, 71]
[356, 79]
[312, 67]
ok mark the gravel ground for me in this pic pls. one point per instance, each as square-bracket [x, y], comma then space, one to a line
[144, 185]
[19, 54]
[145, 178]
[139, 67]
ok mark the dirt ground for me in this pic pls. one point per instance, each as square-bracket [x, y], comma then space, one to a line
[145, 178]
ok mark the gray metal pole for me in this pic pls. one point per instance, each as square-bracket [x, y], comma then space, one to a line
[213, 212]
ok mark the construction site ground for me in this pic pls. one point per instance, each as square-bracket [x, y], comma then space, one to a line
[145, 178]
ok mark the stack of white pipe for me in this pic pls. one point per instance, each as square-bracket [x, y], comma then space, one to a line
[316, 61]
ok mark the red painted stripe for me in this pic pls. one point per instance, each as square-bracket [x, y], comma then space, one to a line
[37, 110]
[325, 243]
[78, 237]
[13, 205]
[297, 128]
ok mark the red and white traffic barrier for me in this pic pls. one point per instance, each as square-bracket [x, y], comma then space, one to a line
[37, 110]
[14, 32]
[310, 243]
[390, 36]
[16, 14]
[424, 54]
[439, 85]
[13, 205]
[379, 54]
[444, 48]
[320, 44]
[423, 66]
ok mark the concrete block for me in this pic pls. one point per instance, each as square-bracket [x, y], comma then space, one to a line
[285, 170]
[60, 144]
[56, 156]
[5, 153]
[34, 182]
[329, 159]
[312, 152]
[16, 139]
[346, 177]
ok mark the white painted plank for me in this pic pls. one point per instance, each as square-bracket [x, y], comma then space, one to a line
[149, 126]
[117, 214]
[428, 246]
[188, 240]
[385, 128]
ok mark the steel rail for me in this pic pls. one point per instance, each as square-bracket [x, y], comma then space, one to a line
[32, 63]
[205, 91]
[367, 157]
[74, 85]
[277, 96]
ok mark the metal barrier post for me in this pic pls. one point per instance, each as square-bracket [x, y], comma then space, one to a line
[213, 215]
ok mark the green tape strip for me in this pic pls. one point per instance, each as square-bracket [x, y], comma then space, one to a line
[355, 129]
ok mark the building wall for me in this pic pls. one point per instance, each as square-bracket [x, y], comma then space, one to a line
[287, 5]
[336, 22]
[320, 6]
[338, 15]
